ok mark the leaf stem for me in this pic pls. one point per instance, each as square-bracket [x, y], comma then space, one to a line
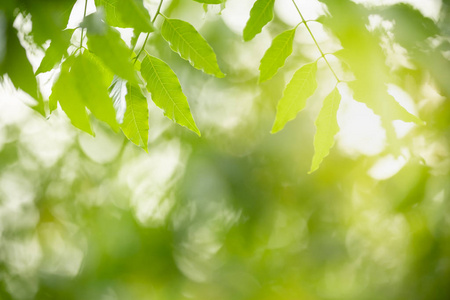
[315, 41]
[158, 12]
[82, 29]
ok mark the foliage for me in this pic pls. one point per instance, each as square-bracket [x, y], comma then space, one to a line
[231, 214]
[361, 51]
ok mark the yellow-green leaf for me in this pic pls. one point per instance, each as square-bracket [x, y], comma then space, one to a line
[65, 91]
[166, 92]
[260, 14]
[299, 89]
[191, 46]
[327, 127]
[276, 55]
[135, 120]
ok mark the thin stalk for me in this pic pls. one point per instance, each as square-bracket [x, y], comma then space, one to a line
[82, 29]
[315, 41]
[158, 11]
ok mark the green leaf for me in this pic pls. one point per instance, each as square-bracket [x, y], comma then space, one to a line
[166, 92]
[135, 122]
[55, 52]
[65, 91]
[83, 81]
[113, 52]
[276, 55]
[191, 46]
[19, 69]
[127, 14]
[260, 14]
[299, 89]
[327, 127]
[92, 84]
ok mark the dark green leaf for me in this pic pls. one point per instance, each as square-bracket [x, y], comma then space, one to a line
[19, 69]
[190, 45]
[276, 55]
[55, 52]
[299, 89]
[166, 92]
[260, 14]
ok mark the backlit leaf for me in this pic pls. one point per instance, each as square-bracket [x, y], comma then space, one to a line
[65, 91]
[112, 51]
[327, 127]
[166, 92]
[191, 46]
[299, 89]
[260, 14]
[276, 55]
[135, 121]
[55, 52]
[19, 69]
[92, 84]
[126, 14]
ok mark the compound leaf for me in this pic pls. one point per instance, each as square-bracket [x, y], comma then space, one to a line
[191, 46]
[299, 89]
[166, 92]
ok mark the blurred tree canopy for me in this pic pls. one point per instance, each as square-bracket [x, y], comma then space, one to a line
[223, 209]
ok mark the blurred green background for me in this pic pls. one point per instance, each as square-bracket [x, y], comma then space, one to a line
[233, 214]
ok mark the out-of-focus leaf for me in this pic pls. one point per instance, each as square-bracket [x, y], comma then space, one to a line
[55, 52]
[191, 46]
[92, 84]
[260, 14]
[299, 89]
[276, 55]
[166, 92]
[65, 91]
[86, 83]
[135, 122]
[381, 102]
[126, 14]
[49, 17]
[111, 50]
[362, 52]
[412, 30]
[327, 127]
[19, 69]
